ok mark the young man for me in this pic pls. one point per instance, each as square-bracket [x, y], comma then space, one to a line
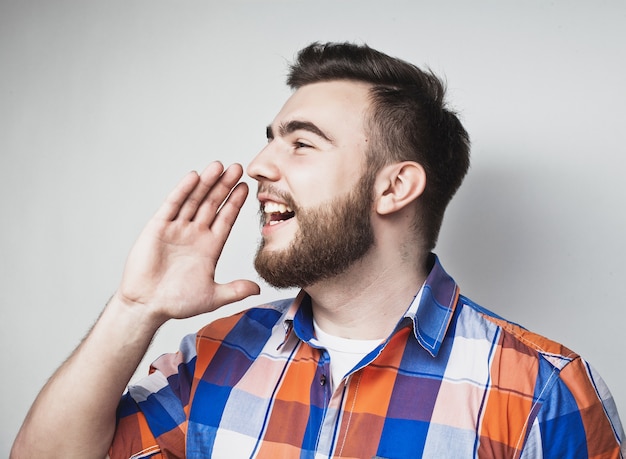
[378, 356]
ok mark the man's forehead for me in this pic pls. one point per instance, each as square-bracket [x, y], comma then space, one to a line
[325, 102]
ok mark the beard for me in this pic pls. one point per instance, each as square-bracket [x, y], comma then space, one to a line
[330, 238]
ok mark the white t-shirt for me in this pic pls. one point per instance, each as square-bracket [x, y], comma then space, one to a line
[344, 353]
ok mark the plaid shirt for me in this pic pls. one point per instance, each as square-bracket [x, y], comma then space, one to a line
[453, 380]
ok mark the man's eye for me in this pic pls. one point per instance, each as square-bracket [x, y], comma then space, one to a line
[301, 145]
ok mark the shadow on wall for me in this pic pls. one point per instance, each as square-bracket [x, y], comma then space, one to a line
[486, 232]
[512, 234]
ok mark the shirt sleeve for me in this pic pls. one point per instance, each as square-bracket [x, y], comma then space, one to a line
[577, 418]
[152, 414]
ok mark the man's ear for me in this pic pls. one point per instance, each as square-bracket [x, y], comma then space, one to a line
[398, 185]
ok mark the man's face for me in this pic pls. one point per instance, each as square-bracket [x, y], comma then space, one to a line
[315, 205]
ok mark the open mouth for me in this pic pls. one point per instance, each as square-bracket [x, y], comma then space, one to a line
[276, 212]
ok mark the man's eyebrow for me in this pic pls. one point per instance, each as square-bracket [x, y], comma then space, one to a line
[295, 125]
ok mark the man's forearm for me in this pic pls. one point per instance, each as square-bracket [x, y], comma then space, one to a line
[74, 415]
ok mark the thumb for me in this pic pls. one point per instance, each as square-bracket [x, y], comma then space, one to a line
[236, 290]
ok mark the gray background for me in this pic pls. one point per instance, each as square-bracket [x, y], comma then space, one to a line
[105, 105]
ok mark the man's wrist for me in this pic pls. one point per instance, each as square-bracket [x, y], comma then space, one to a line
[142, 315]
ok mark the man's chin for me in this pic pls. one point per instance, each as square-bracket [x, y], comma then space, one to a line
[277, 268]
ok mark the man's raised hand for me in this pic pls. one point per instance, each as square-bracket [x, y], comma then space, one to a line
[171, 268]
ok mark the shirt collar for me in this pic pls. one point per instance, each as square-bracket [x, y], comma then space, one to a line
[433, 307]
[430, 311]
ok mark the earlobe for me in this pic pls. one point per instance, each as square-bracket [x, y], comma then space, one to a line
[398, 185]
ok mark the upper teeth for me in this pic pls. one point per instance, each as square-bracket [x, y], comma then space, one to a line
[272, 207]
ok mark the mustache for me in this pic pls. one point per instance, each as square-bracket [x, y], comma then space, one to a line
[280, 194]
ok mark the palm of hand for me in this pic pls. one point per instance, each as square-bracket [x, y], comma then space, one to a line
[171, 268]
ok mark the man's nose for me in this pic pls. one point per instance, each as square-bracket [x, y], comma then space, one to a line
[264, 166]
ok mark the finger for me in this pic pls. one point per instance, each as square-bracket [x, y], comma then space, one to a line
[206, 182]
[220, 191]
[234, 291]
[172, 204]
[228, 213]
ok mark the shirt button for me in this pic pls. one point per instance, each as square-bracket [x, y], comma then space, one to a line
[322, 380]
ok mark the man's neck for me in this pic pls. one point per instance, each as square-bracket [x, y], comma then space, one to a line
[368, 300]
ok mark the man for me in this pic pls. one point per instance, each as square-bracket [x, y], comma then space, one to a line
[378, 356]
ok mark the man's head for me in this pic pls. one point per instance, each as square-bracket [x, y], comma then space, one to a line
[355, 111]
[408, 120]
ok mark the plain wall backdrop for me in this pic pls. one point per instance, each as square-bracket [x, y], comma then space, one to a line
[104, 106]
